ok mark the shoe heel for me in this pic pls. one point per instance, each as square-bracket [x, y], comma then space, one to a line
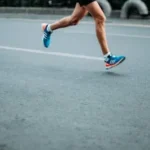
[43, 26]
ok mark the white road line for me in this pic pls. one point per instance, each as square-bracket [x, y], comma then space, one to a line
[51, 53]
[128, 25]
[130, 36]
[82, 22]
[108, 34]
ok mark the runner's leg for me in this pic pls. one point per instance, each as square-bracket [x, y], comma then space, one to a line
[78, 13]
[94, 9]
[99, 17]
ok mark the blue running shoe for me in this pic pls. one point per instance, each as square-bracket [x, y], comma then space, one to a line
[46, 36]
[113, 61]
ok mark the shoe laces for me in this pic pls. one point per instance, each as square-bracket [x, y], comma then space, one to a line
[46, 34]
[109, 58]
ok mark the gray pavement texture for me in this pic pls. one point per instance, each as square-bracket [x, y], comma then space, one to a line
[47, 17]
[62, 103]
[37, 10]
[55, 11]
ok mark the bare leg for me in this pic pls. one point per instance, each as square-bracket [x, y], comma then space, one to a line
[78, 13]
[99, 17]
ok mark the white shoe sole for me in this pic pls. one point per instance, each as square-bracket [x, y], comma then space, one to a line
[107, 68]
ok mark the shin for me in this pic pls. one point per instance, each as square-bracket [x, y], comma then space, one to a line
[101, 34]
[100, 19]
[78, 13]
[64, 22]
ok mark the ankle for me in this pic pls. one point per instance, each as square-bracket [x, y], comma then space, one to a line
[49, 28]
[106, 56]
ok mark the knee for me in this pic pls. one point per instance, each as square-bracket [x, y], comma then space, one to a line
[100, 20]
[74, 21]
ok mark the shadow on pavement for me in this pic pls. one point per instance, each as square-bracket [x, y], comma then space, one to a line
[114, 74]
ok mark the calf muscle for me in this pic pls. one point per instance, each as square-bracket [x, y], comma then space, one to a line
[99, 17]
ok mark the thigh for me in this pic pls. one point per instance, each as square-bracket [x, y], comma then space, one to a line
[79, 12]
[95, 10]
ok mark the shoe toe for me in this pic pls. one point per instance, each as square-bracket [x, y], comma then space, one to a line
[46, 43]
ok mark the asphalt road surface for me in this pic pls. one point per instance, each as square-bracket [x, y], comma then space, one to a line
[62, 98]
